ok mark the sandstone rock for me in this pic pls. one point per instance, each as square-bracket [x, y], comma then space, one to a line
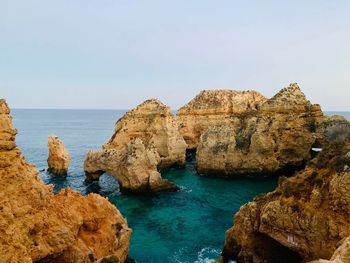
[273, 136]
[145, 139]
[341, 255]
[59, 157]
[133, 165]
[214, 108]
[155, 125]
[38, 226]
[331, 129]
[304, 219]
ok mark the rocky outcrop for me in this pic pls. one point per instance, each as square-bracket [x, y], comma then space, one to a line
[306, 218]
[154, 124]
[252, 135]
[59, 157]
[341, 255]
[145, 139]
[133, 165]
[38, 226]
[214, 108]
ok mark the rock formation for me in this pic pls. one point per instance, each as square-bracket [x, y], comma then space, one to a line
[38, 226]
[306, 218]
[214, 108]
[145, 139]
[239, 133]
[133, 165]
[155, 125]
[341, 255]
[59, 157]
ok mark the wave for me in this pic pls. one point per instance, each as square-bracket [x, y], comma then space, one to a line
[208, 255]
[205, 255]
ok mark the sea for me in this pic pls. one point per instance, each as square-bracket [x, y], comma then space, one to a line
[184, 226]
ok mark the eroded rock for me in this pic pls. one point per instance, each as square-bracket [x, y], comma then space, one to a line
[133, 165]
[38, 226]
[304, 219]
[59, 157]
[145, 139]
[214, 108]
[341, 255]
[251, 135]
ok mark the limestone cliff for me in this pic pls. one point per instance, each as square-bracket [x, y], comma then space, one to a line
[155, 125]
[59, 157]
[253, 135]
[214, 108]
[341, 255]
[306, 218]
[38, 226]
[145, 139]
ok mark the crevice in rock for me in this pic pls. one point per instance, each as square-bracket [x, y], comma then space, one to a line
[274, 252]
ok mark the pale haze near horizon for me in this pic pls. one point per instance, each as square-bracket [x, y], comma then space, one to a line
[115, 54]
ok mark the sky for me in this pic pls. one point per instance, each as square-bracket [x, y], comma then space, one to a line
[114, 54]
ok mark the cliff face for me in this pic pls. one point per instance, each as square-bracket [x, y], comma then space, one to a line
[251, 135]
[36, 225]
[59, 157]
[214, 108]
[145, 139]
[306, 218]
[154, 124]
[341, 255]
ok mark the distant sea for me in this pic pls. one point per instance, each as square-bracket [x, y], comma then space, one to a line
[184, 226]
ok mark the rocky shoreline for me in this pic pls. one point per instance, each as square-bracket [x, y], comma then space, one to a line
[305, 218]
[232, 133]
[38, 226]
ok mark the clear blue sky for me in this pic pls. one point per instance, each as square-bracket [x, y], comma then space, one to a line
[116, 53]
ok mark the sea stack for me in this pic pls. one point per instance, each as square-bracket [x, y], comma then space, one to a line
[38, 226]
[243, 133]
[59, 157]
[145, 140]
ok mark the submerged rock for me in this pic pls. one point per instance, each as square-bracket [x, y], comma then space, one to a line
[242, 133]
[38, 226]
[59, 157]
[145, 139]
[306, 218]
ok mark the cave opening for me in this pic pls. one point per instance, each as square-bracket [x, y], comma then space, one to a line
[272, 251]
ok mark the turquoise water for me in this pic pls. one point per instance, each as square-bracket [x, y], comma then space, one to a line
[184, 226]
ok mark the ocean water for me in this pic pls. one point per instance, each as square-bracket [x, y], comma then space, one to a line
[184, 226]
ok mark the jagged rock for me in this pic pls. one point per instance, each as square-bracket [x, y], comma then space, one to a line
[273, 135]
[330, 128]
[38, 226]
[155, 125]
[145, 139]
[341, 255]
[304, 219]
[59, 157]
[214, 108]
[133, 165]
